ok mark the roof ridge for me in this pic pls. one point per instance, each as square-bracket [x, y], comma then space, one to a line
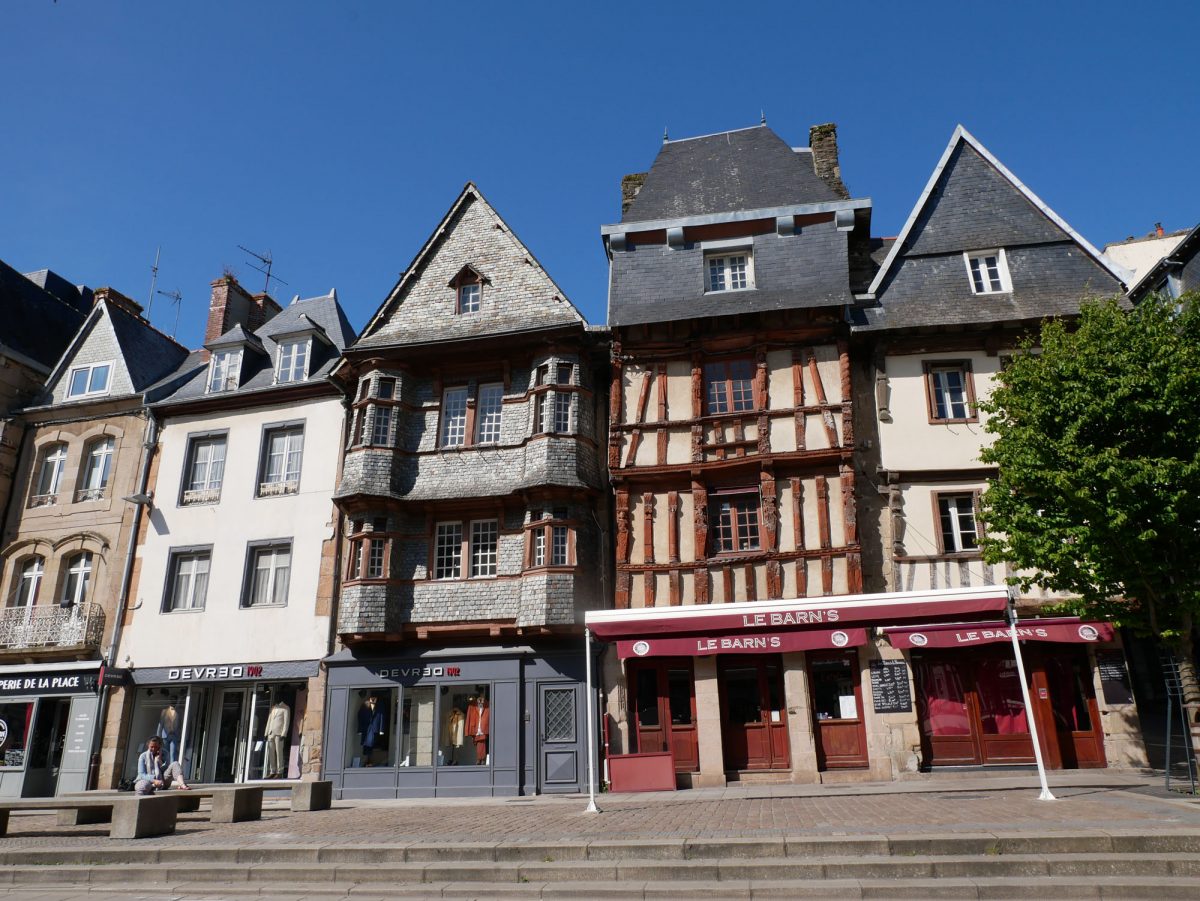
[728, 131]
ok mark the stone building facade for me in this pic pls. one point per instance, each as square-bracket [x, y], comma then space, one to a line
[474, 523]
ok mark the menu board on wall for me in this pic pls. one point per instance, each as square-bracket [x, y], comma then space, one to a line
[889, 686]
[1114, 677]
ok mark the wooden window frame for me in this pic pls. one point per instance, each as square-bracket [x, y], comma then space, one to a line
[714, 496]
[943, 551]
[360, 542]
[929, 367]
[544, 527]
[727, 364]
[548, 386]
[466, 527]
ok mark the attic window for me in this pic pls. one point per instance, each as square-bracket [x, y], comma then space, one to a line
[293, 361]
[988, 271]
[224, 370]
[89, 380]
[468, 288]
[731, 272]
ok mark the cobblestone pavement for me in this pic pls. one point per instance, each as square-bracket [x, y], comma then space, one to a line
[661, 816]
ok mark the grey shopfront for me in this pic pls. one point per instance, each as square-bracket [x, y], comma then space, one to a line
[470, 722]
[47, 726]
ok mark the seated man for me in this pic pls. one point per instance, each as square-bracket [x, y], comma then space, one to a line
[154, 772]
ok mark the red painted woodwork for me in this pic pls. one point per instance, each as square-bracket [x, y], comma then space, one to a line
[835, 689]
[652, 772]
[753, 714]
[662, 710]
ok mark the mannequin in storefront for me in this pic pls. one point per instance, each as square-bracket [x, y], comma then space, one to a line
[479, 722]
[168, 730]
[279, 721]
[371, 730]
[453, 734]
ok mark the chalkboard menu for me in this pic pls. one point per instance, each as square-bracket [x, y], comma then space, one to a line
[1114, 677]
[889, 686]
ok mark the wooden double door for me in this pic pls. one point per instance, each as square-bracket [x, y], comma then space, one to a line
[971, 711]
[662, 709]
[754, 724]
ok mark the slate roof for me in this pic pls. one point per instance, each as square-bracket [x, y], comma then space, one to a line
[1184, 260]
[746, 169]
[972, 202]
[35, 324]
[258, 370]
[149, 354]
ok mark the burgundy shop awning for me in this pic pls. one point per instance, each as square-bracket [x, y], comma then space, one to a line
[742, 643]
[1070, 630]
[776, 617]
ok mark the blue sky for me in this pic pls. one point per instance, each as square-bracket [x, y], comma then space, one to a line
[336, 134]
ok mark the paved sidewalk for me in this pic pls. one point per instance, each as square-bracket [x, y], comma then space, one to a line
[984, 804]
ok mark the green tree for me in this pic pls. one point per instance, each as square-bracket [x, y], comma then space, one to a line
[1097, 440]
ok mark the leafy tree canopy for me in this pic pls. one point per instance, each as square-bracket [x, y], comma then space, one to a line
[1097, 426]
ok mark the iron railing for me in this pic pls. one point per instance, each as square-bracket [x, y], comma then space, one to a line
[51, 626]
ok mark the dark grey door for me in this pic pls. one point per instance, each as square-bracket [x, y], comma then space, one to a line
[561, 746]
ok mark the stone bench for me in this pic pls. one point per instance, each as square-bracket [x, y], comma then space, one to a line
[307, 795]
[230, 803]
[129, 816]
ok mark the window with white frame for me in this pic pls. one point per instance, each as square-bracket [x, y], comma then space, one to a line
[270, 571]
[447, 551]
[283, 448]
[470, 296]
[97, 470]
[29, 586]
[79, 575]
[951, 391]
[552, 407]
[454, 417]
[484, 535]
[224, 370]
[549, 538]
[50, 475]
[956, 513]
[187, 580]
[204, 470]
[381, 425]
[988, 270]
[86, 381]
[489, 413]
[293, 361]
[730, 272]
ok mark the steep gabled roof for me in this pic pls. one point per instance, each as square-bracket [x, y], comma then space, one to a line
[958, 141]
[520, 297]
[36, 324]
[1183, 253]
[746, 169]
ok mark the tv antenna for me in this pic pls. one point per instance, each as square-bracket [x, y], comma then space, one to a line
[153, 281]
[265, 268]
[176, 297]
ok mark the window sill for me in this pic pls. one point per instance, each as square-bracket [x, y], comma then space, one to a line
[278, 489]
[263, 606]
[731, 290]
[183, 610]
[968, 421]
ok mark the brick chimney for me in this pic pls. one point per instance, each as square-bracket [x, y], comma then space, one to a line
[265, 308]
[117, 299]
[230, 305]
[823, 141]
[630, 186]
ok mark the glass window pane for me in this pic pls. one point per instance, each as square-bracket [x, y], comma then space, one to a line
[17, 716]
[833, 689]
[943, 701]
[646, 693]
[466, 724]
[371, 727]
[679, 687]
[490, 411]
[99, 379]
[454, 417]
[79, 382]
[1001, 706]
[483, 548]
[448, 551]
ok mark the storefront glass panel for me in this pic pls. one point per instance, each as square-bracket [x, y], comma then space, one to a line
[466, 722]
[16, 718]
[1068, 695]
[833, 689]
[1001, 704]
[945, 707]
[274, 708]
[371, 728]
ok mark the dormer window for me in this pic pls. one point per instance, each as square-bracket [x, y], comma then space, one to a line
[468, 289]
[224, 369]
[89, 381]
[293, 361]
[988, 271]
[730, 272]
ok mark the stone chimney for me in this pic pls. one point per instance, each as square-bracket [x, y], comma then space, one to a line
[117, 299]
[823, 141]
[630, 186]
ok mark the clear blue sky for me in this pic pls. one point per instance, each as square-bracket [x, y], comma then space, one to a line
[336, 134]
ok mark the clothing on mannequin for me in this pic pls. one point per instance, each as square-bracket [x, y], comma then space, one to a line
[279, 720]
[371, 728]
[454, 734]
[168, 731]
[479, 724]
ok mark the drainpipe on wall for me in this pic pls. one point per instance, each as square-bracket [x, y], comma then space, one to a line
[149, 443]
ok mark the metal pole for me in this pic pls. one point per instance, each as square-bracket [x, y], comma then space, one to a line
[1033, 733]
[183, 733]
[591, 723]
[250, 729]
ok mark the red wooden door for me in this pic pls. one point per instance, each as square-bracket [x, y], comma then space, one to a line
[662, 713]
[1067, 711]
[835, 687]
[944, 712]
[753, 714]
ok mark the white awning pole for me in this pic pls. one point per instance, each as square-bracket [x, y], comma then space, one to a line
[1033, 733]
[591, 723]
[183, 733]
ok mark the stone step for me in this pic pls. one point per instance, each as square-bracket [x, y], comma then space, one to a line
[1015, 866]
[798, 848]
[1166, 889]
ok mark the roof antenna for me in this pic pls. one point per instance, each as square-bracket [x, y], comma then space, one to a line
[762, 117]
[666, 137]
[267, 262]
[153, 280]
[176, 297]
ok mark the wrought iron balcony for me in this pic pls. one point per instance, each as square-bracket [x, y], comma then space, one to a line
[90, 494]
[43, 500]
[51, 626]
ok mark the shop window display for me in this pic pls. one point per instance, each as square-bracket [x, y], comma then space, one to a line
[14, 731]
[833, 689]
[275, 713]
[371, 738]
[466, 725]
[161, 712]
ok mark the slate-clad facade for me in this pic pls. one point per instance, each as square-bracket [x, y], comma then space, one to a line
[473, 525]
[979, 264]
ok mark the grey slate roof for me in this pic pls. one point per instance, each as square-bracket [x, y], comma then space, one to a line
[236, 335]
[1183, 262]
[149, 354]
[258, 371]
[973, 203]
[519, 296]
[35, 323]
[747, 169]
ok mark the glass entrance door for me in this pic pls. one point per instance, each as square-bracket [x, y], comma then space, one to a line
[230, 747]
[46, 742]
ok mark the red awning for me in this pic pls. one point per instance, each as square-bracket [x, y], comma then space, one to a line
[799, 614]
[1069, 630]
[742, 643]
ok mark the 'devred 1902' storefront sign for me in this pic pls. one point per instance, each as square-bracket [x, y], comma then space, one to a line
[743, 643]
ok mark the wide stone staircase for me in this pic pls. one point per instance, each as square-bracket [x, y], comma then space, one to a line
[1146, 864]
